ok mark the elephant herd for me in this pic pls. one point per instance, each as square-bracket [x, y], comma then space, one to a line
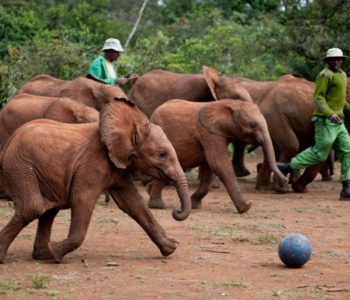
[65, 142]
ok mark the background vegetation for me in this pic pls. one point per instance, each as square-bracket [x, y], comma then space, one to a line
[259, 39]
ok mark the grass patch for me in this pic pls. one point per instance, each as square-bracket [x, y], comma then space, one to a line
[9, 287]
[310, 292]
[235, 284]
[302, 209]
[227, 284]
[40, 280]
[7, 209]
[266, 239]
[239, 239]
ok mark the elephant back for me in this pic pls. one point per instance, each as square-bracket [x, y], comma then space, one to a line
[157, 87]
[43, 85]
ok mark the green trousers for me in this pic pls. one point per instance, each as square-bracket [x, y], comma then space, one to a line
[327, 135]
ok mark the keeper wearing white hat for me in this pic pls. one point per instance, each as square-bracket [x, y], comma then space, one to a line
[102, 68]
[328, 119]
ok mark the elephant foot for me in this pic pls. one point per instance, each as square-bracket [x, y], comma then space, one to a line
[196, 204]
[244, 207]
[294, 176]
[263, 185]
[299, 188]
[149, 188]
[327, 178]
[54, 249]
[242, 172]
[281, 189]
[168, 246]
[157, 203]
[42, 253]
[278, 186]
[2, 258]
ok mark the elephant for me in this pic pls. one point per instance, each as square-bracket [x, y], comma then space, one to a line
[200, 133]
[47, 166]
[287, 105]
[83, 90]
[156, 87]
[23, 108]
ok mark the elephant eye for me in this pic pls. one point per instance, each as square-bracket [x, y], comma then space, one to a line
[162, 154]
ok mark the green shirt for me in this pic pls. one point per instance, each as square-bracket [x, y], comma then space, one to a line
[330, 93]
[98, 70]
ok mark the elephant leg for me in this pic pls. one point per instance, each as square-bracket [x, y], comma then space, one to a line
[107, 197]
[41, 249]
[238, 159]
[9, 233]
[327, 170]
[263, 179]
[219, 162]
[81, 213]
[155, 194]
[310, 173]
[206, 176]
[26, 210]
[130, 201]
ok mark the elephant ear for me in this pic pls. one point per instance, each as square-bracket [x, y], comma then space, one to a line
[85, 114]
[105, 93]
[60, 110]
[212, 77]
[222, 86]
[219, 119]
[80, 90]
[120, 127]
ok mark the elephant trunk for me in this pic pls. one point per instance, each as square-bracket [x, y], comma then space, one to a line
[185, 199]
[269, 156]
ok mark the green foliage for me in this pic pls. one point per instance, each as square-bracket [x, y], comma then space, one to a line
[16, 28]
[258, 39]
[56, 57]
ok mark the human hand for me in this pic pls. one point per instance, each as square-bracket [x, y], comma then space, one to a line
[132, 78]
[335, 119]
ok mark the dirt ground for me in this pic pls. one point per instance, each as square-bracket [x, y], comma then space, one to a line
[221, 254]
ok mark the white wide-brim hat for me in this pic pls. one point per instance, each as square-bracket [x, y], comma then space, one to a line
[334, 52]
[113, 44]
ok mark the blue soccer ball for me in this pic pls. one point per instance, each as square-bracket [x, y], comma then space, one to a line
[294, 250]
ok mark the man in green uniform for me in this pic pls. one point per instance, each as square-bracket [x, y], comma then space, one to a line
[102, 69]
[330, 132]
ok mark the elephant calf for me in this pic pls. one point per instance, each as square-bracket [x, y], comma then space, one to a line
[25, 107]
[200, 133]
[47, 166]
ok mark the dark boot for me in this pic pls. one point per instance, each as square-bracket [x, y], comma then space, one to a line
[284, 168]
[345, 193]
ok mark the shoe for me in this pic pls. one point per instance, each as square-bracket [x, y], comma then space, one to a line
[284, 168]
[345, 192]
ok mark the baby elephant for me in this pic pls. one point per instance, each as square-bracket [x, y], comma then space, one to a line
[200, 133]
[26, 107]
[47, 166]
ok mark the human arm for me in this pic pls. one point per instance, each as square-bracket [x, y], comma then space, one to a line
[129, 80]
